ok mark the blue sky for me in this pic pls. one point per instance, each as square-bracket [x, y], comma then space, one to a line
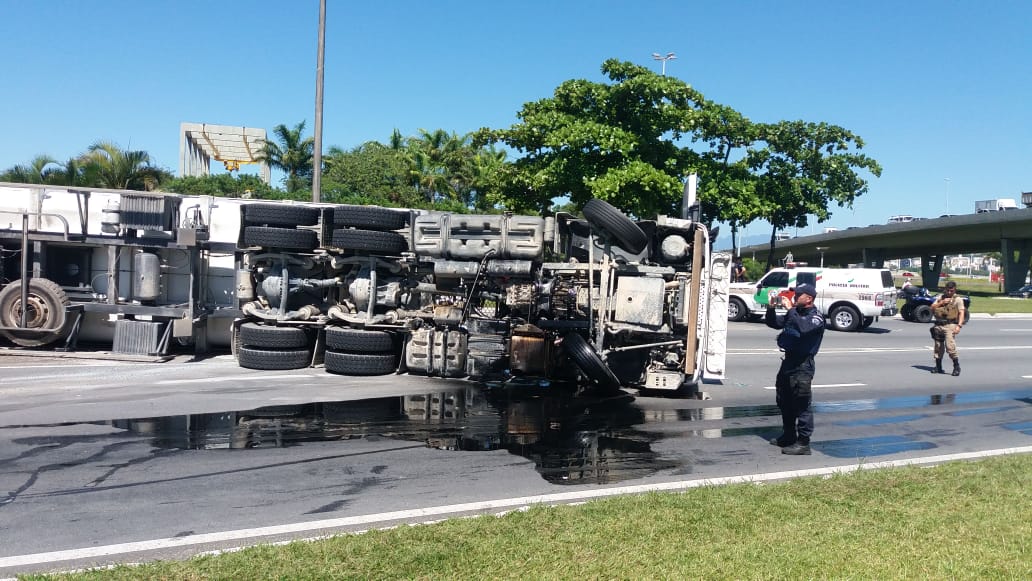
[936, 89]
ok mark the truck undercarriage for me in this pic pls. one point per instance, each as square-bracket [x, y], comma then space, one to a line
[600, 301]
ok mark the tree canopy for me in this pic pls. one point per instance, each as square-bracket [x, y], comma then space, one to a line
[634, 140]
[102, 165]
[616, 142]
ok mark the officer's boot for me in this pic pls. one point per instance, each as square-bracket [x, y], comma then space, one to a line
[800, 448]
[956, 367]
[938, 366]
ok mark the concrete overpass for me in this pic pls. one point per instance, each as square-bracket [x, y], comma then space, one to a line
[1008, 232]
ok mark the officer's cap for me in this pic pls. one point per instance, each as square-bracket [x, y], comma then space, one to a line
[806, 289]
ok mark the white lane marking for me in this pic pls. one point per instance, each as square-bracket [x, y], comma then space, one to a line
[263, 377]
[848, 350]
[489, 505]
[827, 385]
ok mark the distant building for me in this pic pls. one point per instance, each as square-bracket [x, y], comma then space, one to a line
[201, 143]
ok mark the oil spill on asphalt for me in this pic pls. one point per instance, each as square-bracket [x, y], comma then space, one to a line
[571, 440]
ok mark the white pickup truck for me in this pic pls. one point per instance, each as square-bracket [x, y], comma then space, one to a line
[851, 298]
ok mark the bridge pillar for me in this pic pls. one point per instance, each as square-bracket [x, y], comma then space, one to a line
[874, 258]
[1017, 256]
[931, 266]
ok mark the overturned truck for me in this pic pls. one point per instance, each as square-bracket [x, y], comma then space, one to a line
[602, 301]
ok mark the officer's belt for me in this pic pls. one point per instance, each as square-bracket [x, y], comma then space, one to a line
[945, 322]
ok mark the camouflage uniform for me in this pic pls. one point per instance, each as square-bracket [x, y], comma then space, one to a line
[949, 315]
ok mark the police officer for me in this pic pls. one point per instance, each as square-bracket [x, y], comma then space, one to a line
[802, 330]
[948, 311]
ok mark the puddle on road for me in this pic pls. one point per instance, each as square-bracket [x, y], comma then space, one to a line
[570, 440]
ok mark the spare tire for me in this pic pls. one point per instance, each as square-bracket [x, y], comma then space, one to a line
[359, 340]
[616, 225]
[360, 363]
[46, 303]
[270, 359]
[369, 217]
[257, 335]
[585, 357]
[283, 238]
[280, 215]
[370, 241]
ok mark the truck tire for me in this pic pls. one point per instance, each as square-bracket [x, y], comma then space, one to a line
[613, 222]
[360, 363]
[268, 336]
[284, 238]
[359, 340]
[280, 215]
[923, 314]
[273, 359]
[370, 241]
[845, 318]
[585, 357]
[369, 217]
[736, 309]
[46, 303]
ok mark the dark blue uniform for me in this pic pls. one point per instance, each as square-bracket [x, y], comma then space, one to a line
[801, 333]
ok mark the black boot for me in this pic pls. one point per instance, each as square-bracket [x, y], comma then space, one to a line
[800, 448]
[938, 366]
[782, 441]
[956, 367]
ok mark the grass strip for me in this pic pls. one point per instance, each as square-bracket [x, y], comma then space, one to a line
[961, 520]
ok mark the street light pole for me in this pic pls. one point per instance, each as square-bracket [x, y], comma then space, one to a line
[669, 57]
[317, 149]
[947, 180]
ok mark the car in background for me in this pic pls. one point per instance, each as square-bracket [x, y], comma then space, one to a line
[1022, 293]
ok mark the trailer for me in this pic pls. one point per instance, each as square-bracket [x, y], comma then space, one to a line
[995, 205]
[600, 301]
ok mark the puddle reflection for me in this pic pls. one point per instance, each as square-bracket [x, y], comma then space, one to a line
[571, 440]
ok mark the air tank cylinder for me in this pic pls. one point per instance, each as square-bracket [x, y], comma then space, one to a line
[147, 279]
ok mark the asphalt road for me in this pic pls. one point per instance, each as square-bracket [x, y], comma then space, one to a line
[107, 461]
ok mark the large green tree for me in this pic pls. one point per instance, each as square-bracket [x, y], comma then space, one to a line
[372, 173]
[727, 187]
[433, 170]
[618, 142]
[292, 154]
[802, 168]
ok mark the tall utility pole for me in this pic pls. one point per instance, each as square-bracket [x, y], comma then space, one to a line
[317, 148]
[669, 57]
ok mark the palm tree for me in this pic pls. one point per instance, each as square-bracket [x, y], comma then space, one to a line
[436, 160]
[74, 172]
[111, 167]
[293, 155]
[36, 172]
[480, 173]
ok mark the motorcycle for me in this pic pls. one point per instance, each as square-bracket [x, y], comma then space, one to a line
[918, 305]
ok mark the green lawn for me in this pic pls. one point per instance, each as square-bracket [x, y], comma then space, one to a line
[962, 520]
